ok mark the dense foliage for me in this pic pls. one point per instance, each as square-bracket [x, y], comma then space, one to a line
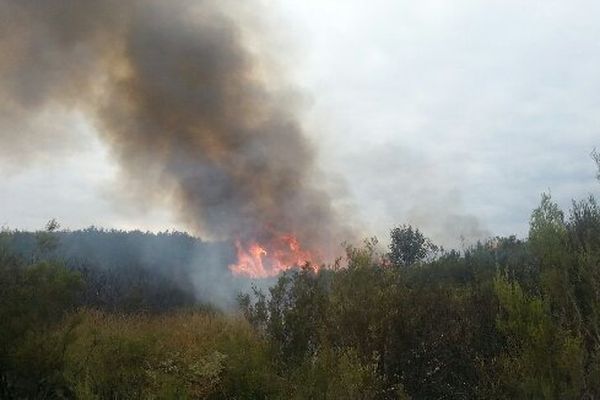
[503, 319]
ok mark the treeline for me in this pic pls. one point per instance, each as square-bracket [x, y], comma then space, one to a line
[506, 319]
[503, 319]
[134, 270]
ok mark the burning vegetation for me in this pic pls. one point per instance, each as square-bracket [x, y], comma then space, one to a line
[189, 105]
[185, 97]
[257, 260]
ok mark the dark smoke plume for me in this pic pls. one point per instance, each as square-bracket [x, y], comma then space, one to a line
[180, 93]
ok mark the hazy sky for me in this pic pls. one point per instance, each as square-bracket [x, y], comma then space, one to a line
[454, 116]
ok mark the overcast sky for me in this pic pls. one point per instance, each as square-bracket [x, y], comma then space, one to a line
[451, 115]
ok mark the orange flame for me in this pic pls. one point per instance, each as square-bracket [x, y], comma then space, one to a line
[256, 260]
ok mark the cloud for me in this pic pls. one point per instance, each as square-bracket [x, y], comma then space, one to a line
[487, 103]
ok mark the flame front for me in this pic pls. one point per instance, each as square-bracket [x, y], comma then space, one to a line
[262, 260]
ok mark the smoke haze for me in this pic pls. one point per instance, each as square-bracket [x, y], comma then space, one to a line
[184, 99]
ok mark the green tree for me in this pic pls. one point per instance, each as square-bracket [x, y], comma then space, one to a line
[409, 246]
[35, 299]
[542, 360]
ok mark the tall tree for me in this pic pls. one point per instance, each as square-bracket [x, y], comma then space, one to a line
[408, 246]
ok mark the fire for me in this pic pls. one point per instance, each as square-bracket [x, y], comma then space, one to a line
[262, 260]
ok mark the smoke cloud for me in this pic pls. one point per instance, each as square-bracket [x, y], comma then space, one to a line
[187, 102]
